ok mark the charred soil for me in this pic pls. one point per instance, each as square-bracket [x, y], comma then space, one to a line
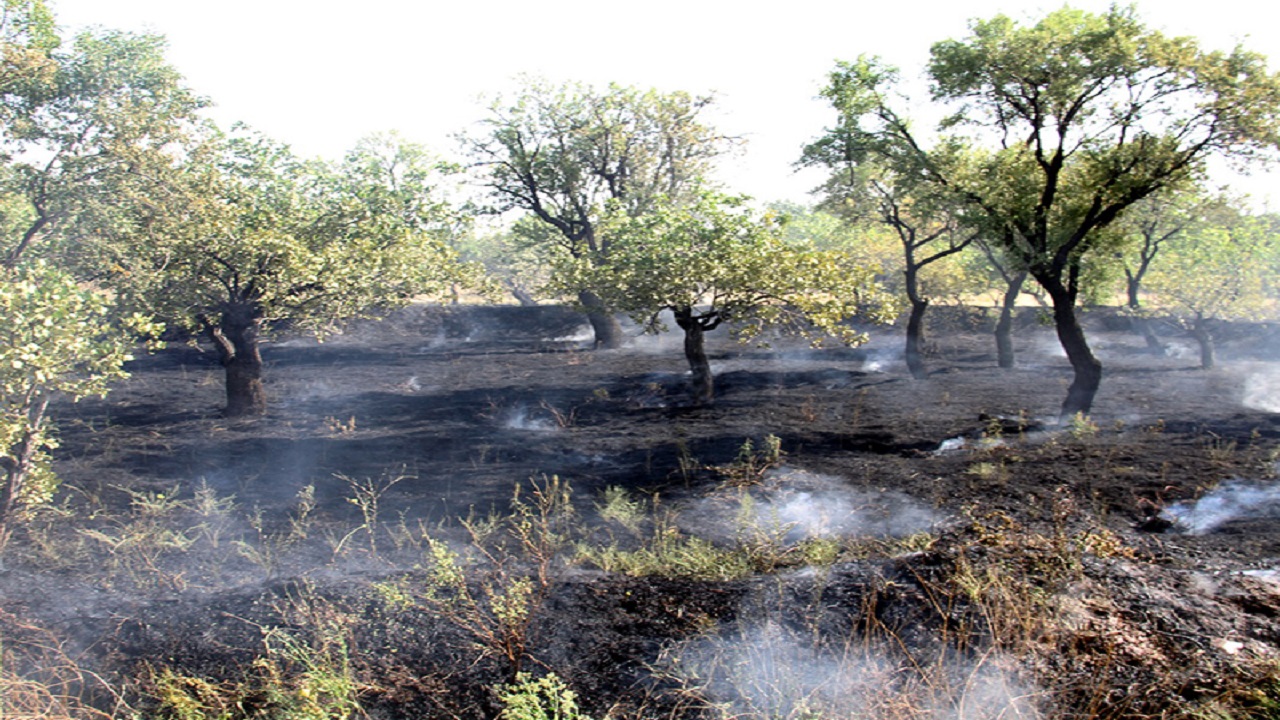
[829, 538]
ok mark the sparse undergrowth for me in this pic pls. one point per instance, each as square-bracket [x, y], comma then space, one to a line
[244, 592]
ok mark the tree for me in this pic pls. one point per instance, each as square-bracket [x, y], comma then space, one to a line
[559, 153]
[28, 38]
[252, 236]
[1217, 273]
[712, 260]
[95, 139]
[1014, 279]
[78, 130]
[1156, 223]
[1058, 129]
[926, 223]
[56, 339]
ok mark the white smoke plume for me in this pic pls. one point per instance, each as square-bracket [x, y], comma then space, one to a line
[518, 418]
[584, 334]
[1262, 390]
[794, 505]
[766, 672]
[1232, 500]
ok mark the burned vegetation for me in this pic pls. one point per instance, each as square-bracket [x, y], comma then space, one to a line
[465, 512]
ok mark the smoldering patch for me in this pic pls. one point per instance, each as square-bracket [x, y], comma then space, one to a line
[794, 505]
[1232, 501]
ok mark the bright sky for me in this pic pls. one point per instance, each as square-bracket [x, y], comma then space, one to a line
[320, 75]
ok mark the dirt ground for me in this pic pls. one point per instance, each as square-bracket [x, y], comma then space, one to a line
[1159, 602]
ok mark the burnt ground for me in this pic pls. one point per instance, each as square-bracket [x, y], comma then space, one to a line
[984, 560]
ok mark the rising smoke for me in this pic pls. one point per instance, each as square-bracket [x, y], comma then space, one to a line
[767, 671]
[795, 505]
[1262, 388]
[1231, 501]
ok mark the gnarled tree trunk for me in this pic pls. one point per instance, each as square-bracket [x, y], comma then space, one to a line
[1004, 326]
[1087, 369]
[236, 337]
[695, 351]
[1142, 325]
[1204, 336]
[914, 353]
[605, 325]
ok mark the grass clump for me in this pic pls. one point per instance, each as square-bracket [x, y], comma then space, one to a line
[544, 698]
[643, 539]
[301, 674]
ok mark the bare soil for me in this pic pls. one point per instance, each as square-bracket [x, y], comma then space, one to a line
[442, 412]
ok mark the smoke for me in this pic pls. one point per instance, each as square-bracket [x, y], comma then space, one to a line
[769, 672]
[518, 418]
[1230, 501]
[1262, 390]
[880, 360]
[583, 334]
[663, 343]
[795, 505]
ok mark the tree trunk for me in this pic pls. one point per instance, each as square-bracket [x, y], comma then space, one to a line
[915, 321]
[695, 351]
[1004, 326]
[1200, 331]
[1142, 325]
[236, 338]
[915, 338]
[521, 295]
[1087, 368]
[18, 464]
[607, 330]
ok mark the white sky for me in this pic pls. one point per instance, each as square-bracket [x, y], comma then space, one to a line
[320, 75]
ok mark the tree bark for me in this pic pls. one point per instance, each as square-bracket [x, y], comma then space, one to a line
[18, 465]
[1142, 325]
[236, 337]
[1087, 369]
[915, 339]
[521, 295]
[607, 330]
[1200, 331]
[695, 351]
[915, 320]
[1004, 326]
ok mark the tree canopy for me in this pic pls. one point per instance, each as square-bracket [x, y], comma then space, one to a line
[713, 260]
[254, 235]
[1227, 270]
[560, 153]
[1055, 130]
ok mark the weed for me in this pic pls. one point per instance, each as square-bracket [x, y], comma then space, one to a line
[688, 464]
[751, 464]
[55, 685]
[618, 506]
[336, 426]
[214, 513]
[562, 418]
[1082, 427]
[302, 675]
[268, 547]
[988, 470]
[544, 698]
[366, 494]
[809, 410]
[139, 543]
[1219, 449]
[495, 595]
[665, 551]
[670, 553]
